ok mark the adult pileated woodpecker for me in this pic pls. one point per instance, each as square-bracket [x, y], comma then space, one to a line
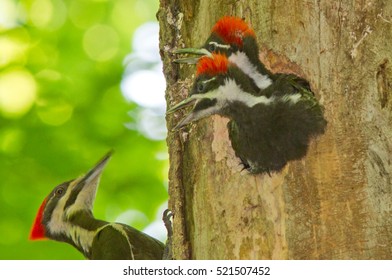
[66, 215]
[266, 131]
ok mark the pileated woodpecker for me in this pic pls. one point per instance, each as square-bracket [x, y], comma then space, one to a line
[66, 215]
[266, 131]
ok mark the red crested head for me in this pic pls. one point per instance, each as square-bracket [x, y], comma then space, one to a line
[38, 230]
[217, 64]
[232, 30]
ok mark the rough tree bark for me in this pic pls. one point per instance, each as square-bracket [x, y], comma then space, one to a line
[334, 204]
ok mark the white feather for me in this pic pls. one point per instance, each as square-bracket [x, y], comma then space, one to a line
[231, 92]
[219, 45]
[243, 62]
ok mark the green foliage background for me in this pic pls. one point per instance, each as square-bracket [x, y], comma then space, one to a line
[68, 57]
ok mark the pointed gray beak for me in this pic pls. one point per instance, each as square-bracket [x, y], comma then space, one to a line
[184, 103]
[96, 171]
[87, 185]
[194, 59]
[187, 120]
[196, 113]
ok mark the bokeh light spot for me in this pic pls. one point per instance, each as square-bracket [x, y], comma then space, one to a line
[145, 87]
[133, 217]
[49, 14]
[13, 47]
[81, 19]
[101, 42]
[145, 42]
[55, 114]
[18, 90]
[11, 140]
[8, 13]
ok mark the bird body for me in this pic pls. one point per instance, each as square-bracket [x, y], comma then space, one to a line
[66, 216]
[266, 131]
[123, 236]
[266, 136]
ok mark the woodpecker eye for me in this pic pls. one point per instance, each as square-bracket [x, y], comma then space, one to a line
[211, 47]
[59, 191]
[201, 87]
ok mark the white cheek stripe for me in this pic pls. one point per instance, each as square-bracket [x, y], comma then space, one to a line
[219, 45]
[209, 80]
[56, 224]
[243, 62]
[59, 224]
[231, 92]
[84, 199]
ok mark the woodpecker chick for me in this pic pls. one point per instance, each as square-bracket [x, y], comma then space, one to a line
[66, 215]
[234, 38]
[266, 131]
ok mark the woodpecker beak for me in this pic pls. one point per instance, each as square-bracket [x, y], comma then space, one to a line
[86, 187]
[187, 120]
[204, 107]
[184, 103]
[96, 171]
[194, 59]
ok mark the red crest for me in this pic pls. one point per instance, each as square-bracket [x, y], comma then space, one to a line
[212, 65]
[38, 230]
[232, 30]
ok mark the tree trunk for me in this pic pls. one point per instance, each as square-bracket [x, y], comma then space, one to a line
[336, 203]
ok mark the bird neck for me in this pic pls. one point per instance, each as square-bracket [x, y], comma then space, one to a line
[80, 230]
[239, 98]
[238, 94]
[248, 61]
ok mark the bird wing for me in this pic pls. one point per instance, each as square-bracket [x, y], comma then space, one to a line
[111, 243]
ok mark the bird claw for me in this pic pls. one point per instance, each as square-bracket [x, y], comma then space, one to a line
[166, 218]
[246, 166]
